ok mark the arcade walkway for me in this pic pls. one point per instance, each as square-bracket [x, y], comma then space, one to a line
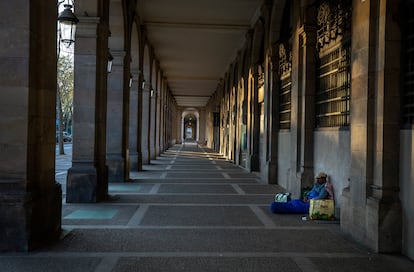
[193, 211]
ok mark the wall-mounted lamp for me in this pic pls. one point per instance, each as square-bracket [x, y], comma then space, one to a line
[152, 92]
[110, 60]
[130, 81]
[143, 84]
[68, 23]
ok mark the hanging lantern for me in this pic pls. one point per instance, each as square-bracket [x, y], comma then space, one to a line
[110, 60]
[68, 23]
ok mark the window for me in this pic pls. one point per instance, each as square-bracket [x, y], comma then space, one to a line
[333, 91]
[332, 99]
[285, 73]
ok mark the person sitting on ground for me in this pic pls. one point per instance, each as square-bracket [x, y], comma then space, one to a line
[319, 191]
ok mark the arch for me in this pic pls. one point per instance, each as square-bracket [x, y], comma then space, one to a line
[190, 112]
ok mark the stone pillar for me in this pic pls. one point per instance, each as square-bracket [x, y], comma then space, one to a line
[87, 178]
[307, 66]
[114, 144]
[133, 122]
[253, 163]
[303, 110]
[139, 120]
[159, 115]
[178, 124]
[370, 208]
[30, 198]
[145, 122]
[152, 125]
[154, 115]
[157, 120]
[272, 113]
[166, 119]
[201, 126]
[162, 118]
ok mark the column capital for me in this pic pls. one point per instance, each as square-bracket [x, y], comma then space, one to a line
[118, 58]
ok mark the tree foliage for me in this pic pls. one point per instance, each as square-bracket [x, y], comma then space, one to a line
[64, 97]
[65, 90]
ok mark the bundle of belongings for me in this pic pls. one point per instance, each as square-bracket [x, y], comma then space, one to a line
[318, 202]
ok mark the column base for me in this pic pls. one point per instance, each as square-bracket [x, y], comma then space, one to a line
[271, 173]
[29, 220]
[253, 163]
[139, 161]
[81, 184]
[116, 168]
[144, 159]
[376, 225]
[133, 161]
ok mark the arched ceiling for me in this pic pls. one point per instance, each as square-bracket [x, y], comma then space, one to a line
[195, 41]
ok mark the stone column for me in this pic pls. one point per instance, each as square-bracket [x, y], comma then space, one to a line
[370, 208]
[253, 163]
[162, 117]
[201, 126]
[145, 122]
[87, 178]
[157, 120]
[152, 121]
[30, 198]
[166, 120]
[154, 107]
[159, 115]
[133, 122]
[139, 120]
[178, 124]
[307, 66]
[114, 156]
[303, 109]
[384, 203]
[272, 113]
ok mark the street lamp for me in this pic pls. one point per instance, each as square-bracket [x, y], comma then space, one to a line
[68, 23]
[110, 60]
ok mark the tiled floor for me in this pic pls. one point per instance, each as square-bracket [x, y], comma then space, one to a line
[191, 210]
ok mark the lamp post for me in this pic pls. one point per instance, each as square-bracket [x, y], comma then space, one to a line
[68, 23]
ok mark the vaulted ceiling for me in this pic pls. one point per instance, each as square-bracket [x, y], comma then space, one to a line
[196, 41]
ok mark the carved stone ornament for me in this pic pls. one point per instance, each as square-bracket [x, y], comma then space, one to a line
[323, 14]
[333, 20]
[282, 52]
[285, 60]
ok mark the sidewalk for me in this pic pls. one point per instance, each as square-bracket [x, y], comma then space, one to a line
[191, 210]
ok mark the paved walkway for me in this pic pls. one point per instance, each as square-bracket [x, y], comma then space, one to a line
[191, 210]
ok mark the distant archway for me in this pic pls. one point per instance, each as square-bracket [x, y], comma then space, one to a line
[190, 124]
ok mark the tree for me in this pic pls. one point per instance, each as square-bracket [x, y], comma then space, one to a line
[64, 98]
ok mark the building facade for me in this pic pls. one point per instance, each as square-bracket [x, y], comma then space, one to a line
[316, 86]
